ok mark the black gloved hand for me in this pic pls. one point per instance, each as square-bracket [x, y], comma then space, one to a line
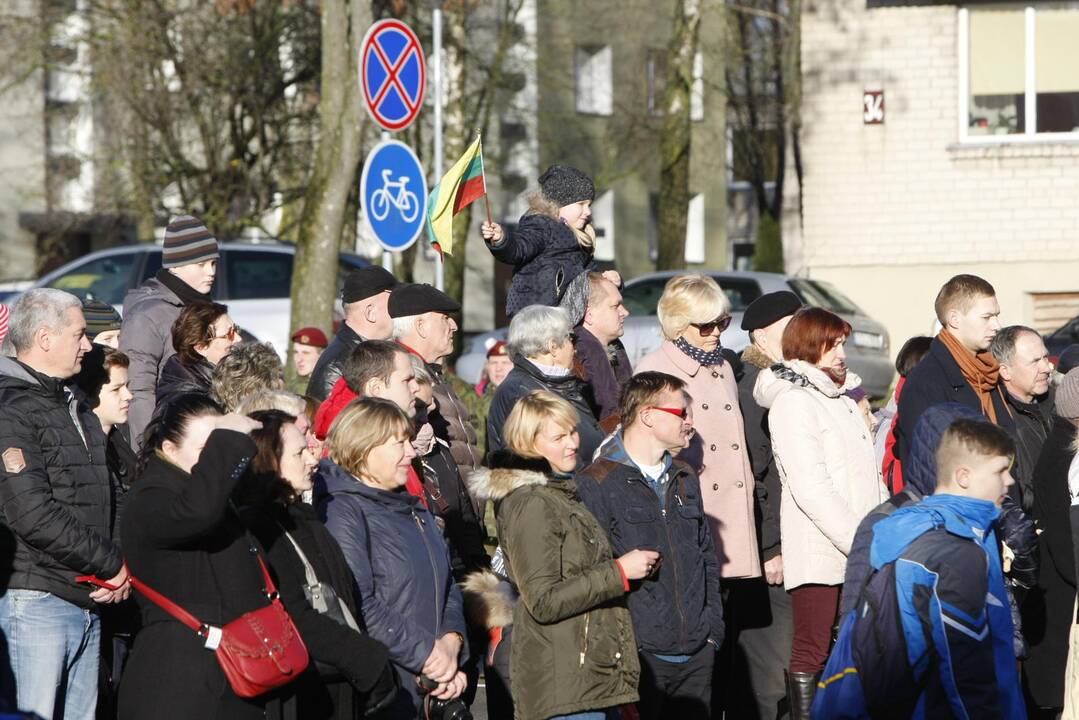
[382, 693]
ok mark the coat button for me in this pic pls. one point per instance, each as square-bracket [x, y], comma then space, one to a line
[727, 406]
[734, 446]
[715, 486]
[713, 448]
[740, 484]
[715, 374]
[704, 406]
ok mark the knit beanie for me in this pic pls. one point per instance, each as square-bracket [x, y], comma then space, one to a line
[100, 317]
[1067, 399]
[187, 241]
[566, 185]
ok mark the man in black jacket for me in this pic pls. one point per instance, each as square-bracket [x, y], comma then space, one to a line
[761, 608]
[365, 298]
[57, 509]
[1025, 371]
[643, 498]
[603, 360]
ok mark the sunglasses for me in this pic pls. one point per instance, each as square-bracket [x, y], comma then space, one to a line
[230, 334]
[720, 323]
[682, 412]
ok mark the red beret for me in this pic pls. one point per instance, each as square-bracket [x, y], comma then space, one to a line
[310, 336]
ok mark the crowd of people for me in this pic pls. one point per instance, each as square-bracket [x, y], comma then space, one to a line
[704, 534]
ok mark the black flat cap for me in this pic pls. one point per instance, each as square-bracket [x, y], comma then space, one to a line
[365, 282]
[419, 298]
[768, 308]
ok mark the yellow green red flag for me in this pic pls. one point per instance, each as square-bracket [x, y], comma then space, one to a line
[461, 186]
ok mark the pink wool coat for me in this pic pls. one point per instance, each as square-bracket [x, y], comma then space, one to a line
[718, 453]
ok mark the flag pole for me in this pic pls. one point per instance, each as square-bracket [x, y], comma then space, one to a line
[486, 199]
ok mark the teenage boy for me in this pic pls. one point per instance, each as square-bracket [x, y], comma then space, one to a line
[953, 604]
[642, 497]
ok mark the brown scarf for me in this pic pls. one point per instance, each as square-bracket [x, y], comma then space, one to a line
[981, 371]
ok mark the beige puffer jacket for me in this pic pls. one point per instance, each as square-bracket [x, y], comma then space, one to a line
[831, 480]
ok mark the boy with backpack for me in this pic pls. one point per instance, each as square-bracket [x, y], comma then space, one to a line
[930, 635]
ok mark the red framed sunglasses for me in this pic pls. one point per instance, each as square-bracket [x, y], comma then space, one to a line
[682, 412]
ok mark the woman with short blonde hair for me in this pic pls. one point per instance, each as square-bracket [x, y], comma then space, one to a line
[573, 653]
[387, 533]
[693, 312]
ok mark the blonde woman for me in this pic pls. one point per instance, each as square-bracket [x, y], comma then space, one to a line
[573, 651]
[693, 311]
[395, 550]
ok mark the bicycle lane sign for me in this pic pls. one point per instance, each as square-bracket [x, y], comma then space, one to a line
[393, 195]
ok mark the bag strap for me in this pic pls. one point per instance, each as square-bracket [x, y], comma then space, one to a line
[169, 606]
[308, 569]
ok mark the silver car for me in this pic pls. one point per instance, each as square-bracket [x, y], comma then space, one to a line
[867, 348]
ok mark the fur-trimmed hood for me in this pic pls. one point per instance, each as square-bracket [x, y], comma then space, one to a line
[489, 600]
[484, 484]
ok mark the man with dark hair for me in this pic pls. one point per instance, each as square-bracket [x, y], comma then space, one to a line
[959, 367]
[600, 353]
[643, 497]
[188, 268]
[365, 298]
[1025, 372]
[57, 511]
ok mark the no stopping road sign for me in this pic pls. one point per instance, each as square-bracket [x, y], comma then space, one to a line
[393, 74]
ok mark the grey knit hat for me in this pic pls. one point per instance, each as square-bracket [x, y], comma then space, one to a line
[187, 241]
[566, 185]
[1067, 399]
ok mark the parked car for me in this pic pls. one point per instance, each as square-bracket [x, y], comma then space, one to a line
[867, 348]
[1059, 340]
[254, 280]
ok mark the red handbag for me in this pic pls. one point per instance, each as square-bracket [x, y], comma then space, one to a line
[258, 651]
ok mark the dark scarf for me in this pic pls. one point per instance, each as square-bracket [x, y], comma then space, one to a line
[707, 358]
[185, 292]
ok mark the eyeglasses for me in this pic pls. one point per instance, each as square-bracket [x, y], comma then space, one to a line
[229, 335]
[682, 412]
[720, 323]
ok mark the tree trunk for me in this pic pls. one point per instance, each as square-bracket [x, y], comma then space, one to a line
[675, 136]
[341, 122]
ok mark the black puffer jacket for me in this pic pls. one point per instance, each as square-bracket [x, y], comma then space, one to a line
[679, 609]
[329, 366]
[55, 492]
[178, 378]
[526, 378]
[546, 257]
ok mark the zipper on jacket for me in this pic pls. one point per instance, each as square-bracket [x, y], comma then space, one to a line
[434, 572]
[674, 564]
[584, 647]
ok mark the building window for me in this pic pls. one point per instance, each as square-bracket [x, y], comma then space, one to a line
[594, 94]
[694, 250]
[603, 223]
[1019, 75]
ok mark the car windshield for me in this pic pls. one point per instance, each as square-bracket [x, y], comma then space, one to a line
[824, 295]
[642, 297]
[105, 279]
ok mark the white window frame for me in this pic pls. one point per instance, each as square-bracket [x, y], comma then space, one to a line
[595, 95]
[1030, 105]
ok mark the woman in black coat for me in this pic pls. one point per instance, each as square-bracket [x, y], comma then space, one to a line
[541, 341]
[202, 335]
[1048, 607]
[183, 540]
[269, 502]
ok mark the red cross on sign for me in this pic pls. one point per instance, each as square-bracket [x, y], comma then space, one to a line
[393, 74]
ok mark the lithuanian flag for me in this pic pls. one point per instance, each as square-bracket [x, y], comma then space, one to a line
[461, 186]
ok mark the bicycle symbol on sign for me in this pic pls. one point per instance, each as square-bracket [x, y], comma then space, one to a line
[394, 193]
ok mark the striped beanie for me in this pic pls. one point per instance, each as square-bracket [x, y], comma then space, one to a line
[100, 317]
[4, 315]
[187, 241]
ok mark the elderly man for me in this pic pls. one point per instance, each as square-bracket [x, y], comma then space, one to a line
[57, 509]
[188, 268]
[605, 365]
[365, 297]
[308, 344]
[1025, 371]
[422, 324]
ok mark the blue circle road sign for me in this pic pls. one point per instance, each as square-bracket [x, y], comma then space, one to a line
[393, 195]
[393, 74]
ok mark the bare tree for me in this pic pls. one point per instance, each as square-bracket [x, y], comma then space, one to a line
[675, 137]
